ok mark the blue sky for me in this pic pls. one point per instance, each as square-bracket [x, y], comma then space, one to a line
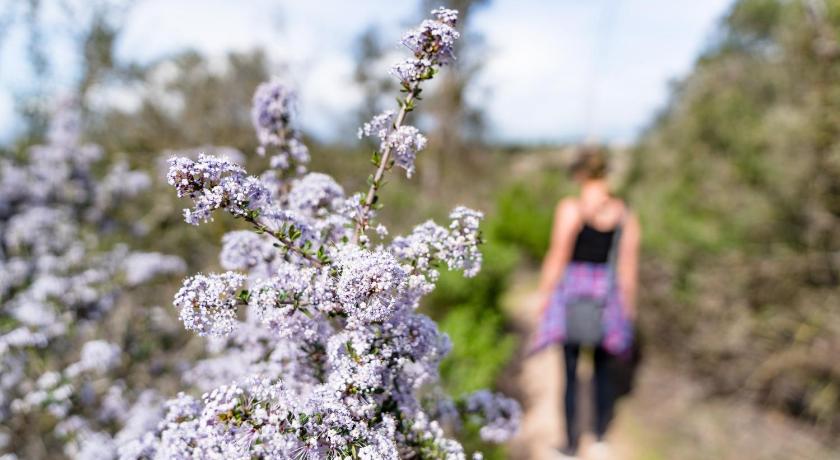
[555, 70]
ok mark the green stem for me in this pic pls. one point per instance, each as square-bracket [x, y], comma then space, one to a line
[284, 240]
[364, 218]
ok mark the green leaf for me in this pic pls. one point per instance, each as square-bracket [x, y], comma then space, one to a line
[294, 232]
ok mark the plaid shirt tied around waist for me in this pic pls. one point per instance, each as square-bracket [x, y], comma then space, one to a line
[592, 280]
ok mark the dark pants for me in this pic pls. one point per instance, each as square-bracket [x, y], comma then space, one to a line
[603, 392]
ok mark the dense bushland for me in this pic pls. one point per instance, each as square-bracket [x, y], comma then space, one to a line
[738, 185]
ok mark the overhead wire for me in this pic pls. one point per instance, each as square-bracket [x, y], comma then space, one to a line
[605, 28]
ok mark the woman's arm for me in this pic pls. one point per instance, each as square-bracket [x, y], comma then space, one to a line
[567, 222]
[628, 262]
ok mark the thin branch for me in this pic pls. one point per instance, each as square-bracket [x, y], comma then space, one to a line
[364, 219]
[284, 240]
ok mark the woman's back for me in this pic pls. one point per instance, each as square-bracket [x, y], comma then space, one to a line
[592, 245]
[599, 219]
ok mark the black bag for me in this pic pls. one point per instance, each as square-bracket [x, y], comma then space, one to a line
[584, 315]
[624, 367]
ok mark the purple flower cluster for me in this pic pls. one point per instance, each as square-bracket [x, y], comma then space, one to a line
[433, 40]
[318, 349]
[59, 284]
[371, 285]
[433, 44]
[461, 250]
[315, 194]
[403, 142]
[245, 250]
[285, 302]
[273, 111]
[215, 183]
[457, 246]
[498, 414]
[273, 115]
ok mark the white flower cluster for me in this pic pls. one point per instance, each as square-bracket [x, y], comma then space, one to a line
[207, 304]
[457, 247]
[58, 283]
[412, 70]
[142, 267]
[53, 390]
[97, 356]
[461, 248]
[319, 350]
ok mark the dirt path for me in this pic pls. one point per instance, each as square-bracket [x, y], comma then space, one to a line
[539, 381]
[667, 417]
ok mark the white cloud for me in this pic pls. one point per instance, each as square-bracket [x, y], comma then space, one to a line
[160, 27]
[555, 70]
[329, 95]
[536, 68]
[599, 68]
[314, 40]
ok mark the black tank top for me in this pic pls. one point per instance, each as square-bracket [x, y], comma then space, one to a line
[592, 245]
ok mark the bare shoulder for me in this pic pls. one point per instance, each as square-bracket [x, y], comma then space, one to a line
[568, 204]
[568, 209]
[631, 220]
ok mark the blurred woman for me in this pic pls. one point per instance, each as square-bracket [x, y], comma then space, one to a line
[588, 287]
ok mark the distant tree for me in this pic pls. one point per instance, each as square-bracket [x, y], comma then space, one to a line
[187, 101]
[90, 27]
[374, 84]
[456, 123]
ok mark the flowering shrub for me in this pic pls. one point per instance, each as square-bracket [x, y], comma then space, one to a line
[57, 286]
[321, 352]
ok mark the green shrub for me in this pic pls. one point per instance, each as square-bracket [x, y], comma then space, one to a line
[481, 348]
[525, 212]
